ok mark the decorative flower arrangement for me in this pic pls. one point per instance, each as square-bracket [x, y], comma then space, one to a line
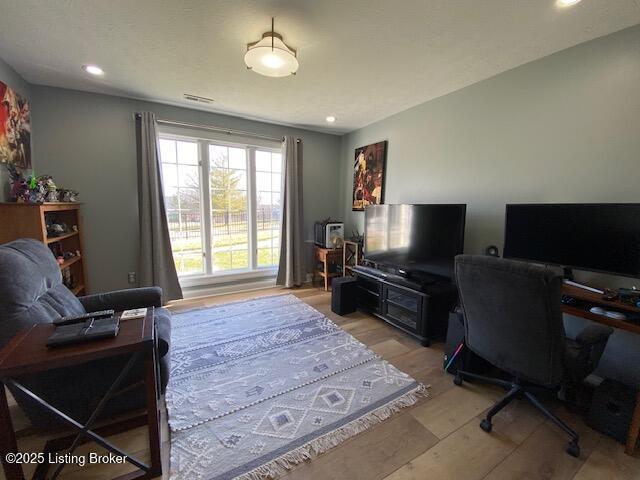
[37, 189]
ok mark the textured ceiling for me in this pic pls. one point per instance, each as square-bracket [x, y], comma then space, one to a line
[359, 60]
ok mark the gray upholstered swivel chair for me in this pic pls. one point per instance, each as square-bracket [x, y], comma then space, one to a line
[513, 319]
[31, 291]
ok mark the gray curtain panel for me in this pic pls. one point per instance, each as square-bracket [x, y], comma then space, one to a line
[156, 258]
[290, 270]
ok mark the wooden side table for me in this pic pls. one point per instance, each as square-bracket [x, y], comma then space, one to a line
[327, 257]
[27, 353]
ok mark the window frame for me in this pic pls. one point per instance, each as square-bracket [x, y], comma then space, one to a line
[185, 138]
[255, 205]
[250, 145]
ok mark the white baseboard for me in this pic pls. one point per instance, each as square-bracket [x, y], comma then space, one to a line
[211, 290]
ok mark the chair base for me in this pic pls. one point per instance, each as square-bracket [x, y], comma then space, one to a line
[517, 390]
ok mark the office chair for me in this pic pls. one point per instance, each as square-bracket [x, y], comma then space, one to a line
[513, 319]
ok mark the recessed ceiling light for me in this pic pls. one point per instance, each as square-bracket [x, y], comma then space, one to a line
[331, 119]
[566, 3]
[271, 56]
[93, 69]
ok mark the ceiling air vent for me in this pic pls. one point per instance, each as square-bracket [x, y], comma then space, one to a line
[197, 98]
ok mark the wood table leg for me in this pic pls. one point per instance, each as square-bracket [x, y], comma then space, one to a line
[634, 429]
[153, 417]
[326, 274]
[12, 470]
[314, 269]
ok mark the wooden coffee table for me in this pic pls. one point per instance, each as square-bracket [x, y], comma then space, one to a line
[27, 353]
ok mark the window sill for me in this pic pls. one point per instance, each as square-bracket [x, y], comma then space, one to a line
[222, 278]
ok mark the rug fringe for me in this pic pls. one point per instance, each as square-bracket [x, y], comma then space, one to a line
[326, 442]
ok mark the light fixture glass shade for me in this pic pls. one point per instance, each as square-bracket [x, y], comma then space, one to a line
[271, 57]
[93, 69]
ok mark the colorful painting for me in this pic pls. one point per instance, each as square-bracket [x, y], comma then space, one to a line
[15, 128]
[368, 175]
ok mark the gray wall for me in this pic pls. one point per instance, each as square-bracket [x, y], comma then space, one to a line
[11, 78]
[87, 142]
[565, 128]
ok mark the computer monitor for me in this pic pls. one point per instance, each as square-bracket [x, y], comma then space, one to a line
[602, 237]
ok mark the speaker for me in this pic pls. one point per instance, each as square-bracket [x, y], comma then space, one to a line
[343, 295]
[612, 409]
[492, 251]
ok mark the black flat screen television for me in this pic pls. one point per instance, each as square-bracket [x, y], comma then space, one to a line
[415, 238]
[601, 237]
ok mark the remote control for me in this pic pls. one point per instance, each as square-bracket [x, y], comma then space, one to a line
[81, 318]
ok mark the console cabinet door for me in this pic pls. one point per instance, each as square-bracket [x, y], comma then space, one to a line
[403, 308]
[369, 293]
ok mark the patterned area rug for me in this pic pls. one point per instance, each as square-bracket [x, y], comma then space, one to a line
[260, 385]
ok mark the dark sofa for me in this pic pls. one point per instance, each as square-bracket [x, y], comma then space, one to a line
[31, 291]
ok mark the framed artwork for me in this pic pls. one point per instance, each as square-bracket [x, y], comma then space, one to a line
[368, 176]
[15, 128]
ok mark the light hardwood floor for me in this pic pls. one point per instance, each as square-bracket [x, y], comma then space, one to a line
[438, 438]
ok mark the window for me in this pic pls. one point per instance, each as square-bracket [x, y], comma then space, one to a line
[182, 197]
[229, 208]
[223, 205]
[268, 211]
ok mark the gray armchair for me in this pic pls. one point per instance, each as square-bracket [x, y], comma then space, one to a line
[513, 319]
[31, 291]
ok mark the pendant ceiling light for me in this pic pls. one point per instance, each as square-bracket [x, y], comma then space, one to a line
[271, 56]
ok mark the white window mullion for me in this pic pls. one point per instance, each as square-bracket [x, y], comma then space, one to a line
[206, 205]
[251, 199]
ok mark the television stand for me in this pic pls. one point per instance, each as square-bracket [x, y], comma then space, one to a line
[419, 309]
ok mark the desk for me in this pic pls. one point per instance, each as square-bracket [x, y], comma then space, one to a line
[27, 353]
[586, 299]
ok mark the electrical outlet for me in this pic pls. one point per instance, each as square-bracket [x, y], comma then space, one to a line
[132, 277]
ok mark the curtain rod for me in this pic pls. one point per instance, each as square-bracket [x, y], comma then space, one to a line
[213, 128]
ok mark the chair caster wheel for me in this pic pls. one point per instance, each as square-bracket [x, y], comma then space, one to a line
[573, 449]
[486, 425]
[457, 380]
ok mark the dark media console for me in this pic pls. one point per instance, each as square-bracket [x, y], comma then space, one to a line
[418, 308]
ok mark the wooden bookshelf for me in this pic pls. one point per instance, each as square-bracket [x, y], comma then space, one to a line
[60, 238]
[26, 220]
[69, 262]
